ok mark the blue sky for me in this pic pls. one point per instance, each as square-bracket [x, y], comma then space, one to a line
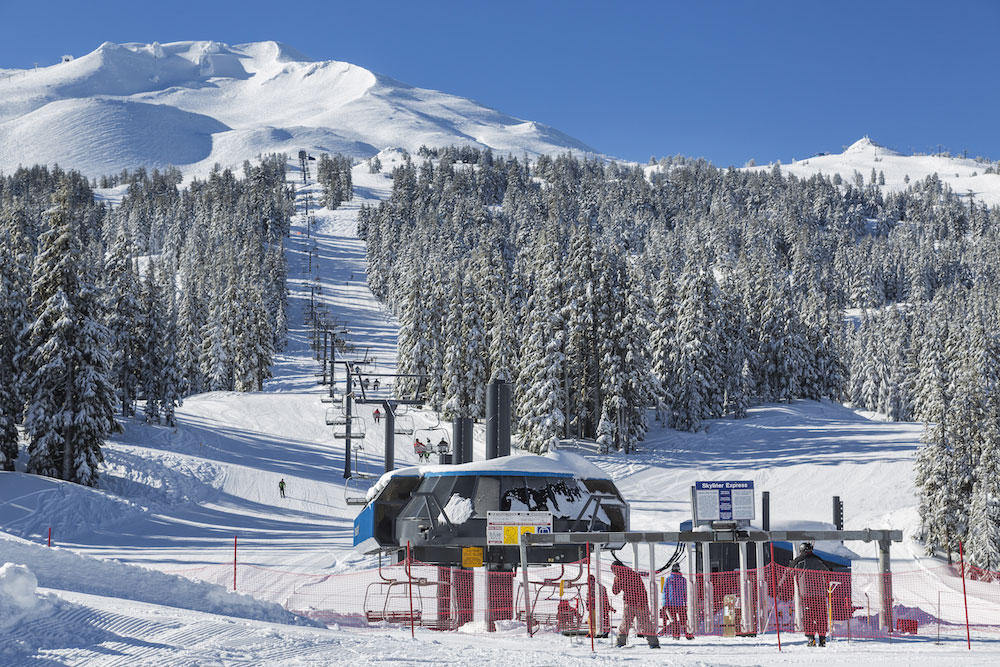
[728, 81]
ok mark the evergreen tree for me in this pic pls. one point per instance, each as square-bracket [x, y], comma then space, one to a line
[70, 406]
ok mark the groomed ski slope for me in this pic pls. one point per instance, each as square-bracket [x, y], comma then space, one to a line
[172, 498]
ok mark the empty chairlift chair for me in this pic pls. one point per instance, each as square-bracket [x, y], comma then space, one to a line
[404, 425]
[335, 417]
[357, 428]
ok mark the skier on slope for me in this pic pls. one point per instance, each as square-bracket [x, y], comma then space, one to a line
[812, 591]
[377, 415]
[675, 602]
[629, 584]
[281, 487]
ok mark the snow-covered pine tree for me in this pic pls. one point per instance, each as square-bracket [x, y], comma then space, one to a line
[70, 407]
[122, 305]
[15, 274]
[662, 338]
[697, 353]
[152, 331]
[541, 396]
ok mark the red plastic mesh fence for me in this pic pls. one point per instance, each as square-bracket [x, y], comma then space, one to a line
[558, 598]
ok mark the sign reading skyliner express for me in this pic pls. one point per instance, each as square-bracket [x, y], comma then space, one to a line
[724, 501]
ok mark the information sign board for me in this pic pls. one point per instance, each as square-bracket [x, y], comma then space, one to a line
[472, 556]
[724, 501]
[506, 528]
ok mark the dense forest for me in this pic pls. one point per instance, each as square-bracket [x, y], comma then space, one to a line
[604, 290]
[171, 292]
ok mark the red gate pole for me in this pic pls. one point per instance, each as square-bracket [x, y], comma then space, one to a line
[592, 598]
[774, 582]
[409, 586]
[50, 536]
[968, 633]
[234, 563]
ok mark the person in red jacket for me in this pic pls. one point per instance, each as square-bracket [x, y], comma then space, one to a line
[629, 584]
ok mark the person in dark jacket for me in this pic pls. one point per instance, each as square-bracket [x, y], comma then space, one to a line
[605, 611]
[629, 584]
[812, 592]
[675, 602]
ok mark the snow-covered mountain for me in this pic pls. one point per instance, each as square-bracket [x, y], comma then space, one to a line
[193, 104]
[965, 177]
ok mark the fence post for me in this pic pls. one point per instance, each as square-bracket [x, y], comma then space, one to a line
[523, 548]
[50, 536]
[592, 600]
[409, 586]
[774, 582]
[234, 562]
[965, 598]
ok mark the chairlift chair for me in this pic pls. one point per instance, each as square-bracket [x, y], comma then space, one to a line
[357, 428]
[433, 436]
[334, 416]
[403, 600]
[404, 425]
[356, 489]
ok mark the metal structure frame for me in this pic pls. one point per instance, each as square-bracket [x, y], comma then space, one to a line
[729, 534]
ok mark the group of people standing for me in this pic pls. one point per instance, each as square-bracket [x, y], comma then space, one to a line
[805, 568]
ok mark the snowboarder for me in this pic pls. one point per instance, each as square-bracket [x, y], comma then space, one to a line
[812, 592]
[281, 487]
[592, 611]
[377, 415]
[629, 584]
[675, 602]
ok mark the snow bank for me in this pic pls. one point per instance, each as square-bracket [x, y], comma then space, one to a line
[31, 504]
[64, 570]
[18, 595]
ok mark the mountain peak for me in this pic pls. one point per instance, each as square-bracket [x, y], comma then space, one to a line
[214, 102]
[866, 145]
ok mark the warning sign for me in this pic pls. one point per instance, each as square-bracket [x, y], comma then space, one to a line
[506, 528]
[472, 556]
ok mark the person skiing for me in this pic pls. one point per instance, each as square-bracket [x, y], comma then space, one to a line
[592, 611]
[377, 415]
[629, 584]
[281, 487]
[812, 592]
[675, 602]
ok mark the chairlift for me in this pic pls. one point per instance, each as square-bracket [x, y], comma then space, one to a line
[357, 428]
[434, 436]
[561, 605]
[335, 417]
[356, 486]
[404, 425]
[403, 600]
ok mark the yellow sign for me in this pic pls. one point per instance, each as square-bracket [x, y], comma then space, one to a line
[512, 534]
[472, 557]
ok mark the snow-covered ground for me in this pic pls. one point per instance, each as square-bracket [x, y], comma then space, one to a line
[964, 176]
[172, 499]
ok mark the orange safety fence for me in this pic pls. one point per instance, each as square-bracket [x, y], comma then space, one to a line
[558, 598]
